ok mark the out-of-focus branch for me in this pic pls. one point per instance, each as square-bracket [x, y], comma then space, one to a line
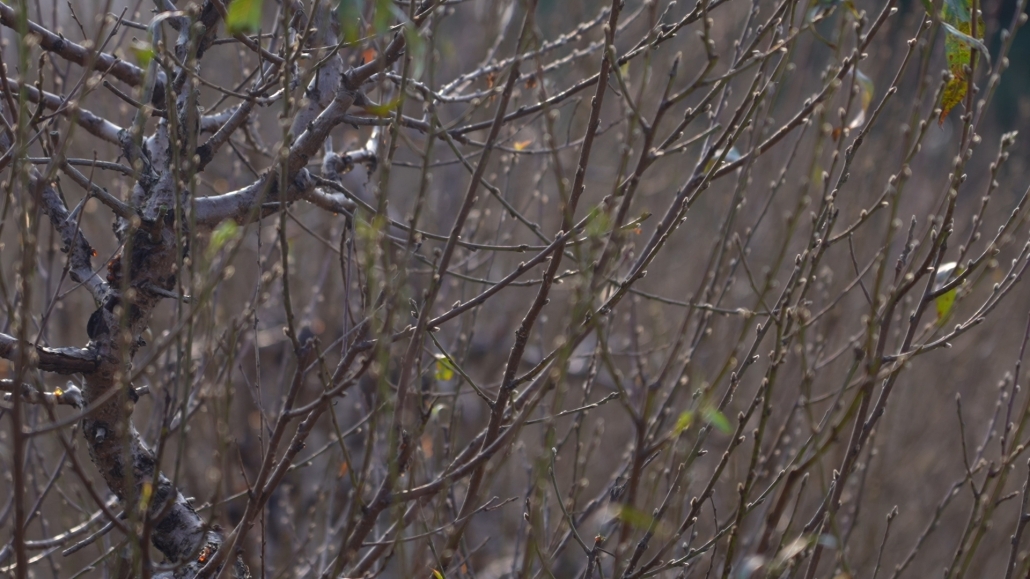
[80, 252]
[57, 44]
[94, 124]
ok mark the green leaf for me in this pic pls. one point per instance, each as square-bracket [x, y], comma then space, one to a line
[370, 231]
[959, 43]
[683, 422]
[957, 8]
[244, 16]
[415, 45]
[598, 223]
[349, 14]
[717, 419]
[224, 233]
[866, 89]
[973, 42]
[437, 574]
[381, 18]
[143, 52]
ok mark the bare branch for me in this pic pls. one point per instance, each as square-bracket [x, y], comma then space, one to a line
[57, 360]
[79, 54]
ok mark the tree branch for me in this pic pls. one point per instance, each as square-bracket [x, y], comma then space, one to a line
[93, 123]
[70, 396]
[56, 43]
[57, 360]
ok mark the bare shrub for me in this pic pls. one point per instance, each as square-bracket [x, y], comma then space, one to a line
[534, 288]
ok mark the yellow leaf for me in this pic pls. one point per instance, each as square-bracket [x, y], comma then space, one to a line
[683, 422]
[958, 47]
[521, 145]
[944, 304]
[384, 109]
[945, 301]
[444, 368]
[635, 518]
[954, 92]
[146, 492]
